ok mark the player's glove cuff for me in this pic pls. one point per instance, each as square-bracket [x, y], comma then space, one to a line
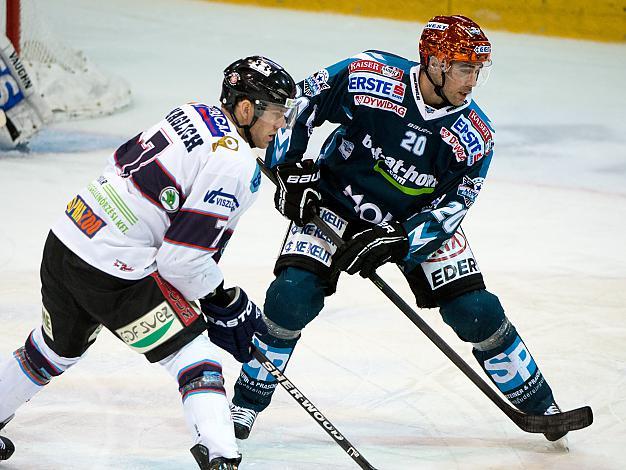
[297, 196]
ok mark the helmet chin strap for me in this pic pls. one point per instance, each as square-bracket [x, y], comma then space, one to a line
[439, 88]
[246, 129]
[248, 134]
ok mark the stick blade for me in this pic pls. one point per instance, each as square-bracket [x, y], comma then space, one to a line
[566, 421]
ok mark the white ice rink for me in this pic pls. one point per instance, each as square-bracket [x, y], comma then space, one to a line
[548, 231]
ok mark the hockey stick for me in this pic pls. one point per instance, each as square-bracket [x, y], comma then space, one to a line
[578, 418]
[316, 414]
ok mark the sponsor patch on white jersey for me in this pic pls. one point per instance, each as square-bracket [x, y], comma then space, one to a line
[151, 330]
[169, 199]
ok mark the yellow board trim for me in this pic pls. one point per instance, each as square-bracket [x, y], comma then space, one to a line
[600, 20]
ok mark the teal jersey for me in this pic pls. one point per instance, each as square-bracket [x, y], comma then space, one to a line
[392, 157]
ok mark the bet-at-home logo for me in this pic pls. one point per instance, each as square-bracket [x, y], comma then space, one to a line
[151, 330]
[170, 199]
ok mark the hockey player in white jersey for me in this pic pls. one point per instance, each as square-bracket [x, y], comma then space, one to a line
[136, 251]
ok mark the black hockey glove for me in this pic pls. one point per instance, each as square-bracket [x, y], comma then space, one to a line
[373, 247]
[296, 196]
[232, 321]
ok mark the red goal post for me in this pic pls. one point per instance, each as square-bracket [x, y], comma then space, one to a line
[13, 23]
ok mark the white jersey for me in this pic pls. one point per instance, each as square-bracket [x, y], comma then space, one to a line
[168, 199]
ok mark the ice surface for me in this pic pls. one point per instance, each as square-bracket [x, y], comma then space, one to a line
[548, 232]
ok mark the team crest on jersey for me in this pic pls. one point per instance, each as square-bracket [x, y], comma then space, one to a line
[170, 198]
[84, 217]
[227, 142]
[469, 189]
[214, 119]
[316, 83]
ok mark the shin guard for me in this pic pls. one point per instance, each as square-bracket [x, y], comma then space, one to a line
[29, 369]
[255, 386]
[201, 385]
[511, 367]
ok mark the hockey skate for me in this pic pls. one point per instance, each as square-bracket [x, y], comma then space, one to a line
[559, 440]
[6, 446]
[243, 419]
[201, 454]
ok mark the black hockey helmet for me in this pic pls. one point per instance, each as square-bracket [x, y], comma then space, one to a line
[263, 82]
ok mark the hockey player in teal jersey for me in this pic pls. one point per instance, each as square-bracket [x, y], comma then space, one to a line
[394, 179]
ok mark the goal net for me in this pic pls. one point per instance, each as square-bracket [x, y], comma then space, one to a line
[70, 84]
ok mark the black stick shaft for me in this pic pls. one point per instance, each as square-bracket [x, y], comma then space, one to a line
[311, 409]
[570, 420]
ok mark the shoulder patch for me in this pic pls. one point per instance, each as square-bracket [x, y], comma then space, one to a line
[214, 119]
[228, 142]
[482, 128]
[316, 83]
[470, 138]
[255, 184]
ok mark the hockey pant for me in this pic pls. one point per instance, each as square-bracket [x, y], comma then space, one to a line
[296, 297]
